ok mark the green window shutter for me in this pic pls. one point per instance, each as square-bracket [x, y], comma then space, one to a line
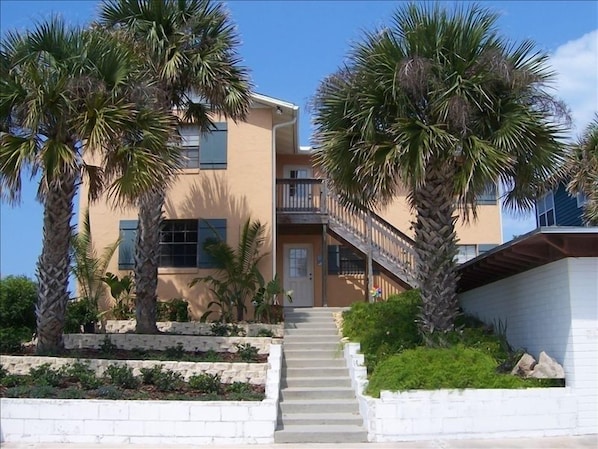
[213, 148]
[333, 259]
[126, 247]
[210, 230]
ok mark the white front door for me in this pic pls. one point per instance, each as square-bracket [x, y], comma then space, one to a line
[298, 274]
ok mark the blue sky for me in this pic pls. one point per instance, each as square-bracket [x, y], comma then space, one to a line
[291, 45]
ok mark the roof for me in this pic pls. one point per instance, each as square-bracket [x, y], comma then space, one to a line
[534, 249]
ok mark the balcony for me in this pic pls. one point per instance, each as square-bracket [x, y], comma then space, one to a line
[301, 201]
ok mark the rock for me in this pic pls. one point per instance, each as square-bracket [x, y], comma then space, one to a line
[547, 368]
[524, 366]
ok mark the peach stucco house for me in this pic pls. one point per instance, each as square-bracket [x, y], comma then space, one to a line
[257, 169]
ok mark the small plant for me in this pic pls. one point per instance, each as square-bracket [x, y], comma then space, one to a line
[81, 316]
[3, 372]
[211, 356]
[176, 309]
[19, 391]
[12, 380]
[240, 388]
[247, 352]
[70, 393]
[42, 391]
[205, 383]
[219, 329]
[121, 289]
[175, 352]
[235, 331]
[107, 347]
[264, 332]
[164, 380]
[46, 375]
[149, 375]
[109, 392]
[122, 376]
[83, 374]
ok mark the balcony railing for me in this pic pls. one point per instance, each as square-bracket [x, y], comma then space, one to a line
[300, 195]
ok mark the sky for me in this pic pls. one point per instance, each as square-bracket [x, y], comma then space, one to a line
[290, 46]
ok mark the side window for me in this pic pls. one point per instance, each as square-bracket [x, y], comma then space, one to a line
[545, 210]
[126, 247]
[489, 196]
[466, 252]
[190, 145]
[210, 230]
[178, 243]
[213, 148]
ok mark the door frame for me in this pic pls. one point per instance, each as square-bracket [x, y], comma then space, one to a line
[310, 266]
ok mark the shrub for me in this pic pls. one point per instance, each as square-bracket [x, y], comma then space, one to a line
[434, 368]
[83, 374]
[175, 352]
[176, 309]
[80, 314]
[18, 297]
[247, 352]
[239, 387]
[107, 347]
[13, 380]
[122, 376]
[384, 328]
[211, 356]
[46, 375]
[70, 393]
[42, 391]
[163, 380]
[264, 332]
[219, 329]
[109, 392]
[205, 383]
[20, 391]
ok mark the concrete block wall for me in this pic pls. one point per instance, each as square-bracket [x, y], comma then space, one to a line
[457, 414]
[552, 308]
[144, 422]
[254, 373]
[162, 341]
[191, 327]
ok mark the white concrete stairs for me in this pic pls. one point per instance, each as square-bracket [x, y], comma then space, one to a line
[317, 402]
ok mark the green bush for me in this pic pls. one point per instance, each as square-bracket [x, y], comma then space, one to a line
[163, 380]
[247, 352]
[384, 328]
[264, 332]
[205, 383]
[80, 314]
[81, 372]
[176, 309]
[46, 375]
[434, 368]
[122, 376]
[18, 297]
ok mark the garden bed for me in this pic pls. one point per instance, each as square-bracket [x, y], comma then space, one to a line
[198, 328]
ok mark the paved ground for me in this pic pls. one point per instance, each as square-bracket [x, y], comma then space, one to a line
[582, 442]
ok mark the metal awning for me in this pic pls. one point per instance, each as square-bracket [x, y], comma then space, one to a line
[537, 248]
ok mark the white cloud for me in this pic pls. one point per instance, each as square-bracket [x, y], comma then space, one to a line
[576, 64]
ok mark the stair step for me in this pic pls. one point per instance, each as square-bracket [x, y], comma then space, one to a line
[314, 363]
[321, 434]
[311, 406]
[302, 393]
[319, 332]
[316, 346]
[311, 338]
[313, 372]
[328, 325]
[312, 354]
[308, 419]
[339, 381]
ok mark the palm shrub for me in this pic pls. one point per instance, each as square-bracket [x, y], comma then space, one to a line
[441, 104]
[237, 278]
[122, 290]
[190, 46]
[61, 87]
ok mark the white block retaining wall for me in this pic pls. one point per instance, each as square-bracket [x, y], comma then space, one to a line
[254, 373]
[161, 342]
[552, 308]
[144, 422]
[456, 414]
[191, 327]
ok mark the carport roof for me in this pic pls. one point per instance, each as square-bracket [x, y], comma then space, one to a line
[531, 250]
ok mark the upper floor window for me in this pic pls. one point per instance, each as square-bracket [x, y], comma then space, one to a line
[489, 195]
[545, 210]
[204, 150]
[466, 252]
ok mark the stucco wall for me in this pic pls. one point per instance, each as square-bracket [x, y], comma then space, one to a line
[552, 308]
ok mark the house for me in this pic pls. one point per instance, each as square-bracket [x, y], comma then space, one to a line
[559, 208]
[257, 169]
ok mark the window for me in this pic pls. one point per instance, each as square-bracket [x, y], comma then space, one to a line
[582, 199]
[178, 243]
[343, 260]
[489, 196]
[545, 210]
[182, 242]
[205, 151]
[466, 252]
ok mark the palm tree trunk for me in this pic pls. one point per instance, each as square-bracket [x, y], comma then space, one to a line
[435, 249]
[53, 266]
[147, 257]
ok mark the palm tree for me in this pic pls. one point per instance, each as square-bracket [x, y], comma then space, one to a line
[581, 168]
[439, 103]
[190, 49]
[60, 87]
[238, 276]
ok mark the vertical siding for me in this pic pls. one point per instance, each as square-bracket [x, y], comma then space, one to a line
[552, 308]
[565, 208]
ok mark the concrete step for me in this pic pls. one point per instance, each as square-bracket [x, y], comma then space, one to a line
[316, 346]
[301, 393]
[328, 324]
[321, 434]
[312, 354]
[297, 371]
[319, 332]
[308, 419]
[313, 363]
[311, 338]
[293, 382]
[319, 406]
